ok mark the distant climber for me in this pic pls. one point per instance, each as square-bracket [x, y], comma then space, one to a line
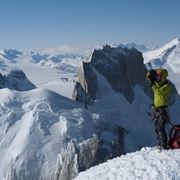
[162, 91]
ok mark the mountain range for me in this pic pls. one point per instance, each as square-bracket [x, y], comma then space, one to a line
[44, 135]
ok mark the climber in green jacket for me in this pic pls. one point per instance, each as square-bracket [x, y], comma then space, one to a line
[162, 91]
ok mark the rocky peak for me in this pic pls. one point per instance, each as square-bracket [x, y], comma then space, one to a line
[16, 74]
[123, 68]
[17, 80]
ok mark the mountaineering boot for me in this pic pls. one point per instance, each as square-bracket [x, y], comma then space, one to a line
[162, 138]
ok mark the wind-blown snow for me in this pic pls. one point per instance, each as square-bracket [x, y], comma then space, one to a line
[149, 163]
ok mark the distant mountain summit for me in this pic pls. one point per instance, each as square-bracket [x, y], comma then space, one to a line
[167, 56]
[162, 52]
[141, 47]
[10, 54]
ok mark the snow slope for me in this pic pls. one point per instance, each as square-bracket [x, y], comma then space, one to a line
[115, 109]
[168, 56]
[34, 127]
[159, 52]
[149, 163]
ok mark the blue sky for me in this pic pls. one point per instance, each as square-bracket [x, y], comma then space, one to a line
[28, 24]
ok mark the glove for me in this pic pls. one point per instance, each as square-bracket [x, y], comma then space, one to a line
[151, 76]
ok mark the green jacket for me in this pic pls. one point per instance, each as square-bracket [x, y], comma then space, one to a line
[162, 90]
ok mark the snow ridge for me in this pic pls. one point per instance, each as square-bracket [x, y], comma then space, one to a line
[168, 56]
[157, 53]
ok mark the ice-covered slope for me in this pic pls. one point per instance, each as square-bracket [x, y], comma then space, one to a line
[34, 127]
[168, 56]
[148, 163]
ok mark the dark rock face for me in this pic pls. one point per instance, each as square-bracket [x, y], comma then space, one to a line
[90, 78]
[75, 157]
[87, 153]
[123, 68]
[2, 81]
[86, 87]
[17, 80]
[81, 95]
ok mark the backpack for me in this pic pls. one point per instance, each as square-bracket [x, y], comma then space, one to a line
[174, 137]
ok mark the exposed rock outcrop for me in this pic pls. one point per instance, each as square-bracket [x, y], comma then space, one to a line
[80, 157]
[87, 80]
[17, 80]
[81, 95]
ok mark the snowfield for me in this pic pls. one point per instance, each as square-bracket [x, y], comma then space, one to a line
[147, 164]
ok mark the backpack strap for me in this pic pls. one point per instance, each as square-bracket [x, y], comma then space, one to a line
[165, 82]
[178, 136]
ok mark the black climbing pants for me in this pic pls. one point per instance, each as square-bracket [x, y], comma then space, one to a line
[160, 122]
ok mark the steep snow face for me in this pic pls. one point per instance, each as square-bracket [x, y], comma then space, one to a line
[148, 163]
[34, 127]
[159, 52]
[115, 109]
[168, 57]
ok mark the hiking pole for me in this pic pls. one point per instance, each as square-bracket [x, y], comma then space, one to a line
[171, 124]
